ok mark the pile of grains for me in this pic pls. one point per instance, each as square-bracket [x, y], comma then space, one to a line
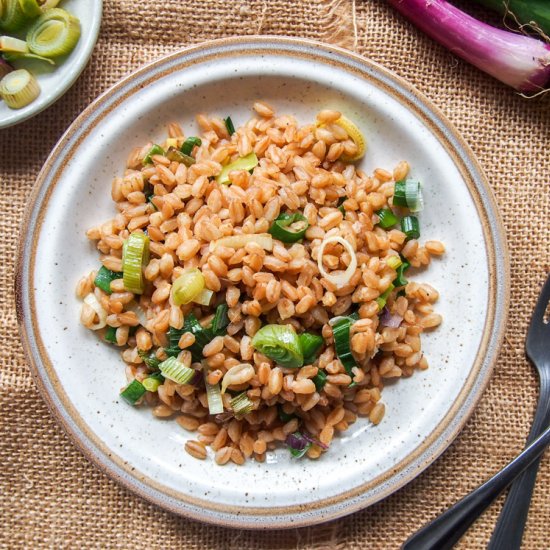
[183, 209]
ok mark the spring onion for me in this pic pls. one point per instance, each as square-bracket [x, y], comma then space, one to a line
[213, 396]
[150, 359]
[19, 88]
[297, 444]
[189, 144]
[15, 56]
[410, 226]
[202, 337]
[175, 155]
[93, 302]
[342, 345]
[311, 345]
[5, 68]
[517, 60]
[204, 297]
[265, 240]
[221, 320]
[289, 228]
[104, 278]
[187, 286]
[11, 44]
[342, 279]
[340, 205]
[54, 33]
[12, 17]
[152, 383]
[408, 193]
[172, 369]
[531, 13]
[135, 256]
[241, 404]
[320, 379]
[383, 298]
[394, 261]
[110, 335]
[133, 392]
[356, 136]
[386, 218]
[155, 150]
[284, 416]
[281, 344]
[243, 163]
[229, 125]
[400, 279]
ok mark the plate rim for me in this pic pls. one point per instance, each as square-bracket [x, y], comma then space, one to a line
[473, 388]
[90, 42]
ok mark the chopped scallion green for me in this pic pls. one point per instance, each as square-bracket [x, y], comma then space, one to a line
[241, 404]
[411, 227]
[229, 125]
[133, 392]
[320, 379]
[104, 278]
[281, 344]
[289, 228]
[189, 144]
[155, 150]
[110, 335]
[175, 155]
[386, 218]
[172, 369]
[400, 279]
[408, 194]
[311, 346]
[152, 383]
[383, 298]
[150, 359]
[393, 261]
[135, 256]
[221, 320]
[342, 345]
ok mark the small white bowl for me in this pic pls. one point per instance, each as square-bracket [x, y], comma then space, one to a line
[54, 81]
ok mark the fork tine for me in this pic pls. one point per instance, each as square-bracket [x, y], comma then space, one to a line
[542, 303]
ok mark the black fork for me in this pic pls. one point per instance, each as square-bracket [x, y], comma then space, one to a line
[443, 532]
[511, 522]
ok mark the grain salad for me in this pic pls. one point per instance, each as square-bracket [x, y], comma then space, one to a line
[254, 279]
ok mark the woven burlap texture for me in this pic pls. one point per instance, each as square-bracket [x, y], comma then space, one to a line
[52, 497]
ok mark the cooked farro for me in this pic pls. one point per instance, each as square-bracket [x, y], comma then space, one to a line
[281, 234]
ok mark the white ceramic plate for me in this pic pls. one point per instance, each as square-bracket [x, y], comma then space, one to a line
[81, 377]
[54, 81]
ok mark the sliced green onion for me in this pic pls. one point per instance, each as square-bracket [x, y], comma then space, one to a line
[133, 392]
[386, 218]
[12, 17]
[19, 88]
[283, 416]
[411, 227]
[408, 193]
[311, 345]
[393, 261]
[104, 278]
[202, 337]
[289, 228]
[342, 345]
[320, 379]
[383, 298]
[150, 359]
[189, 144]
[152, 384]
[281, 344]
[243, 163]
[213, 396]
[11, 44]
[400, 279]
[241, 405]
[135, 256]
[187, 286]
[175, 155]
[54, 33]
[172, 369]
[110, 335]
[13, 56]
[221, 320]
[155, 150]
[204, 297]
[340, 205]
[229, 125]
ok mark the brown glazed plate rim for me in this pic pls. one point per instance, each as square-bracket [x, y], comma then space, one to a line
[272, 516]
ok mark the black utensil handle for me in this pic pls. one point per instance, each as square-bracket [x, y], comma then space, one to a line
[511, 522]
[443, 532]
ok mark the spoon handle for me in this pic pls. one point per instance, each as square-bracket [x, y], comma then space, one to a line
[444, 531]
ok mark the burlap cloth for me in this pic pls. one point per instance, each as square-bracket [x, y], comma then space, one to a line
[52, 497]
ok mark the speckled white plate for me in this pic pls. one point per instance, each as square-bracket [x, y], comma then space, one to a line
[54, 81]
[80, 377]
